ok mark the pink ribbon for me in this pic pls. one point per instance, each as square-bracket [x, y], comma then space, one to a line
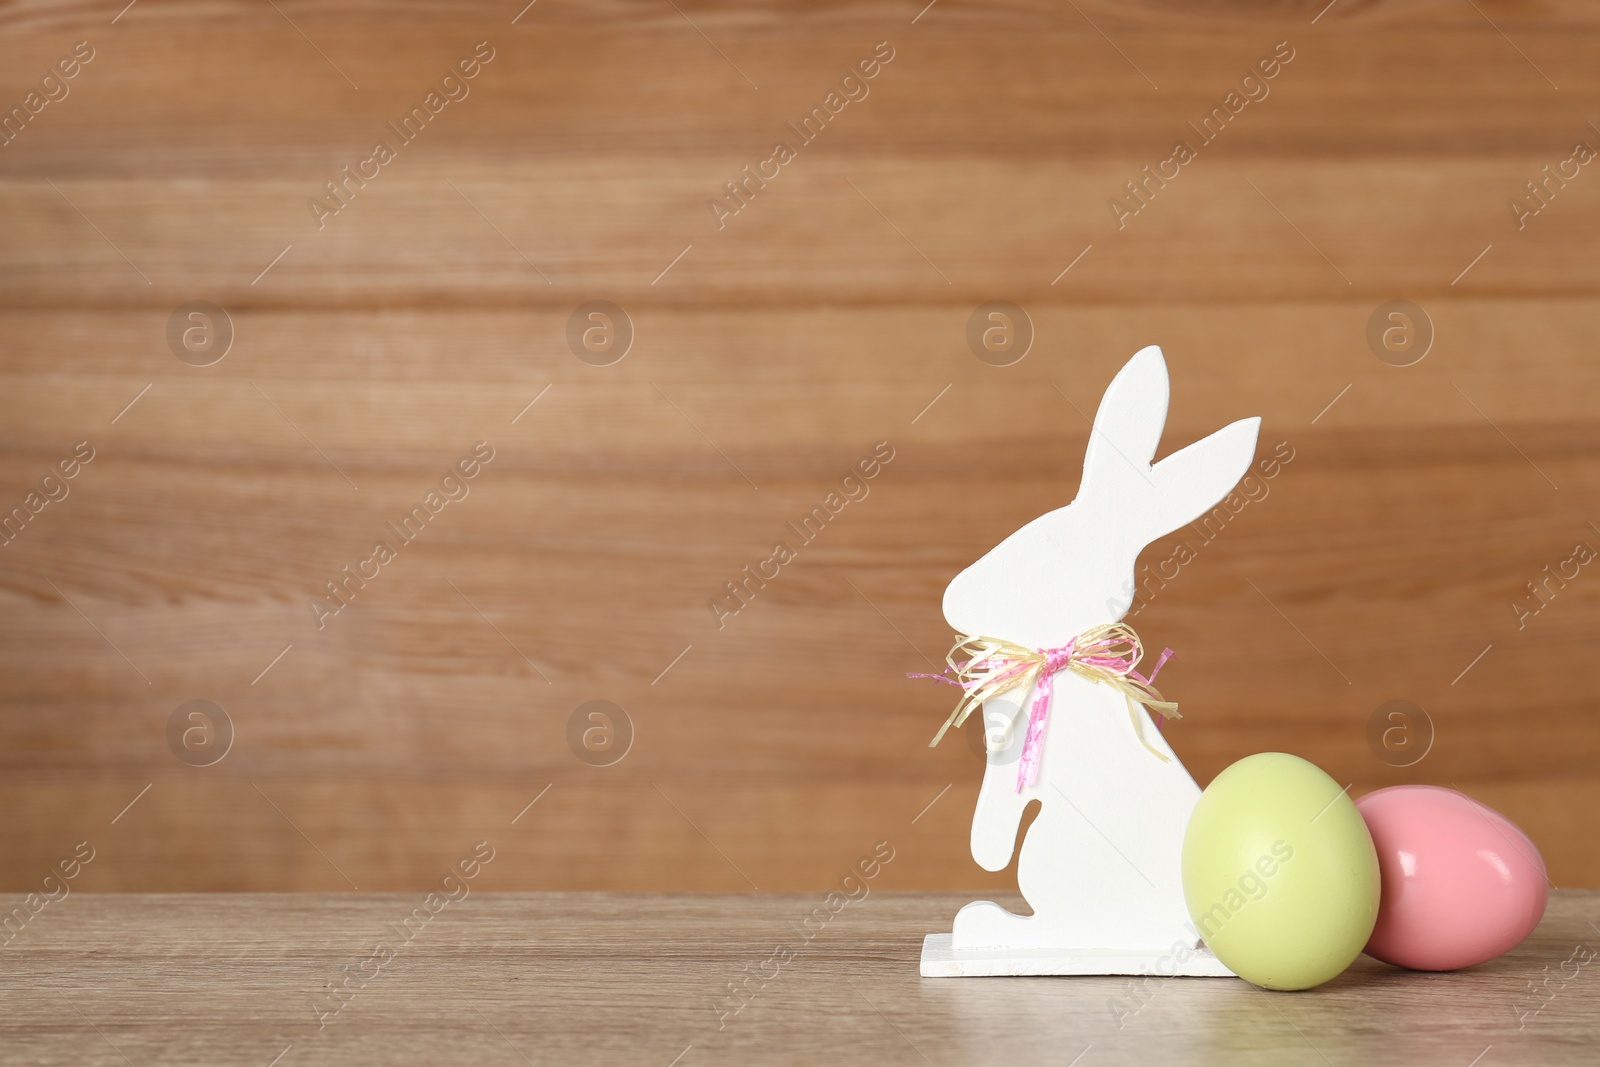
[1110, 656]
[1057, 660]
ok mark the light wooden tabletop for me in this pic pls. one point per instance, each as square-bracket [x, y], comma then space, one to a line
[645, 979]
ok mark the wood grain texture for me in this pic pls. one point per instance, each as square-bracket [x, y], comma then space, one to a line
[613, 978]
[828, 315]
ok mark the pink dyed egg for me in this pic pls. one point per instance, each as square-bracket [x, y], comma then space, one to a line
[1461, 883]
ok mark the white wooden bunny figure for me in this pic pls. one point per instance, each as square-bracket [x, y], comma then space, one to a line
[1100, 864]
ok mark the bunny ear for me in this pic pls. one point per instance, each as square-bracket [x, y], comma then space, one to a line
[1128, 425]
[1191, 480]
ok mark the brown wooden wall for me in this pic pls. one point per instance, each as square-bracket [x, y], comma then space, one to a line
[768, 357]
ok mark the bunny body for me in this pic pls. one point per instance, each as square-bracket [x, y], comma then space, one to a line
[1092, 884]
[1100, 863]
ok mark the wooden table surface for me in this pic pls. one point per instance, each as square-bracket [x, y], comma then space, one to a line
[511, 978]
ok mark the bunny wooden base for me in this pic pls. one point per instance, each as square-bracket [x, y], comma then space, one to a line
[940, 960]
[1100, 864]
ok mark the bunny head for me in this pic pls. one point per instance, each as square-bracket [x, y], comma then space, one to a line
[1073, 568]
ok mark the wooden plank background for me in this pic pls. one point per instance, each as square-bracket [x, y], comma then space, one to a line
[769, 356]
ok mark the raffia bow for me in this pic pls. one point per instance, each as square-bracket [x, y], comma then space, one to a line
[985, 667]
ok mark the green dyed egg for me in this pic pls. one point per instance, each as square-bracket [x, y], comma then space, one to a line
[1279, 872]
